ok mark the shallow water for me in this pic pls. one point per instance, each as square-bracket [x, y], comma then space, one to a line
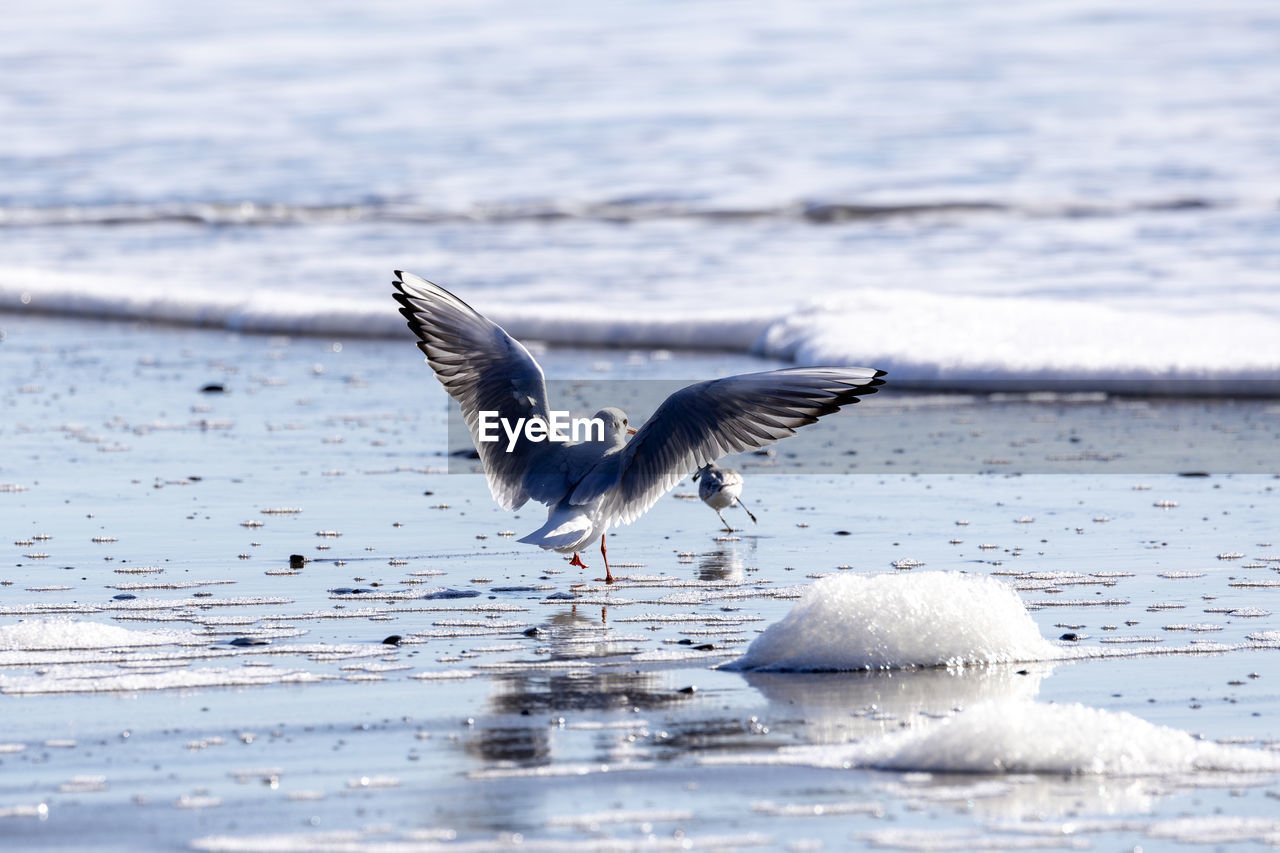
[585, 733]
[962, 194]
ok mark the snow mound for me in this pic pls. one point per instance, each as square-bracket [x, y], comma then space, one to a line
[898, 621]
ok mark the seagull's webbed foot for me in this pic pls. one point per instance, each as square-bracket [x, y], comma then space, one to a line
[739, 502]
[577, 561]
[727, 528]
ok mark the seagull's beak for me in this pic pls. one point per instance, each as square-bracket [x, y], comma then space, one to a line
[630, 431]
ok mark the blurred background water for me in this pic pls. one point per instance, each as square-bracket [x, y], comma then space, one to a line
[963, 194]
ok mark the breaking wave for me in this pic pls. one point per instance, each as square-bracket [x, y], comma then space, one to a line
[924, 340]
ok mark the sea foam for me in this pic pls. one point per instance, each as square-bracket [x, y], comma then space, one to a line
[1018, 736]
[857, 622]
[924, 339]
[982, 341]
[1034, 737]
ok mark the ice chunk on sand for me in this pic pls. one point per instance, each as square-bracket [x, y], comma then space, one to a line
[1018, 736]
[1033, 737]
[896, 621]
[63, 633]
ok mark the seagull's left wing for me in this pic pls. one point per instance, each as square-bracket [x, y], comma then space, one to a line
[484, 369]
[708, 420]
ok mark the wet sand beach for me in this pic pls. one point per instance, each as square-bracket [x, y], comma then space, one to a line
[173, 680]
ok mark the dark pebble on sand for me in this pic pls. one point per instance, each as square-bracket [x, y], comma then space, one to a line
[685, 642]
[1193, 473]
[124, 596]
[843, 533]
[213, 388]
[465, 454]
[1070, 635]
[297, 561]
[705, 647]
[393, 640]
[513, 589]
[249, 641]
[560, 596]
[534, 632]
[688, 690]
[452, 593]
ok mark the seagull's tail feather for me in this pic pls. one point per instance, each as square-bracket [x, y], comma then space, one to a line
[566, 530]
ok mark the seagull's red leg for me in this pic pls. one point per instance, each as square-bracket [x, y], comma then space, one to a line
[608, 576]
[577, 561]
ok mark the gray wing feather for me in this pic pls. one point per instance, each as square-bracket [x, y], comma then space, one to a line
[708, 420]
[484, 369]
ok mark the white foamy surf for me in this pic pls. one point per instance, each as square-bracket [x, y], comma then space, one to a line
[981, 341]
[898, 621]
[924, 339]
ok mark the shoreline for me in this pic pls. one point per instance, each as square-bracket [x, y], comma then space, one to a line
[740, 338]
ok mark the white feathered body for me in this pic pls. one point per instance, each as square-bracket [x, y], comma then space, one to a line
[719, 487]
[584, 472]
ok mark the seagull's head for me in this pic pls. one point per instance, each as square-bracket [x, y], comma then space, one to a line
[705, 469]
[616, 425]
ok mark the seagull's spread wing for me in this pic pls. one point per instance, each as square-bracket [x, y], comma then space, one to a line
[484, 369]
[706, 421]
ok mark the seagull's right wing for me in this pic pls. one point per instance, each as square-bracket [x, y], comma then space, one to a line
[484, 369]
[703, 422]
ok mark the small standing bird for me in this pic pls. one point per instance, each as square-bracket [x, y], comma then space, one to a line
[593, 485]
[721, 488]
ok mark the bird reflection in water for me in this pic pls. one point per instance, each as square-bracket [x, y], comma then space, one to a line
[526, 746]
[542, 696]
[726, 563]
[556, 693]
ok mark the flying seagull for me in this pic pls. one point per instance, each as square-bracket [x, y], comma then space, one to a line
[720, 488]
[605, 482]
